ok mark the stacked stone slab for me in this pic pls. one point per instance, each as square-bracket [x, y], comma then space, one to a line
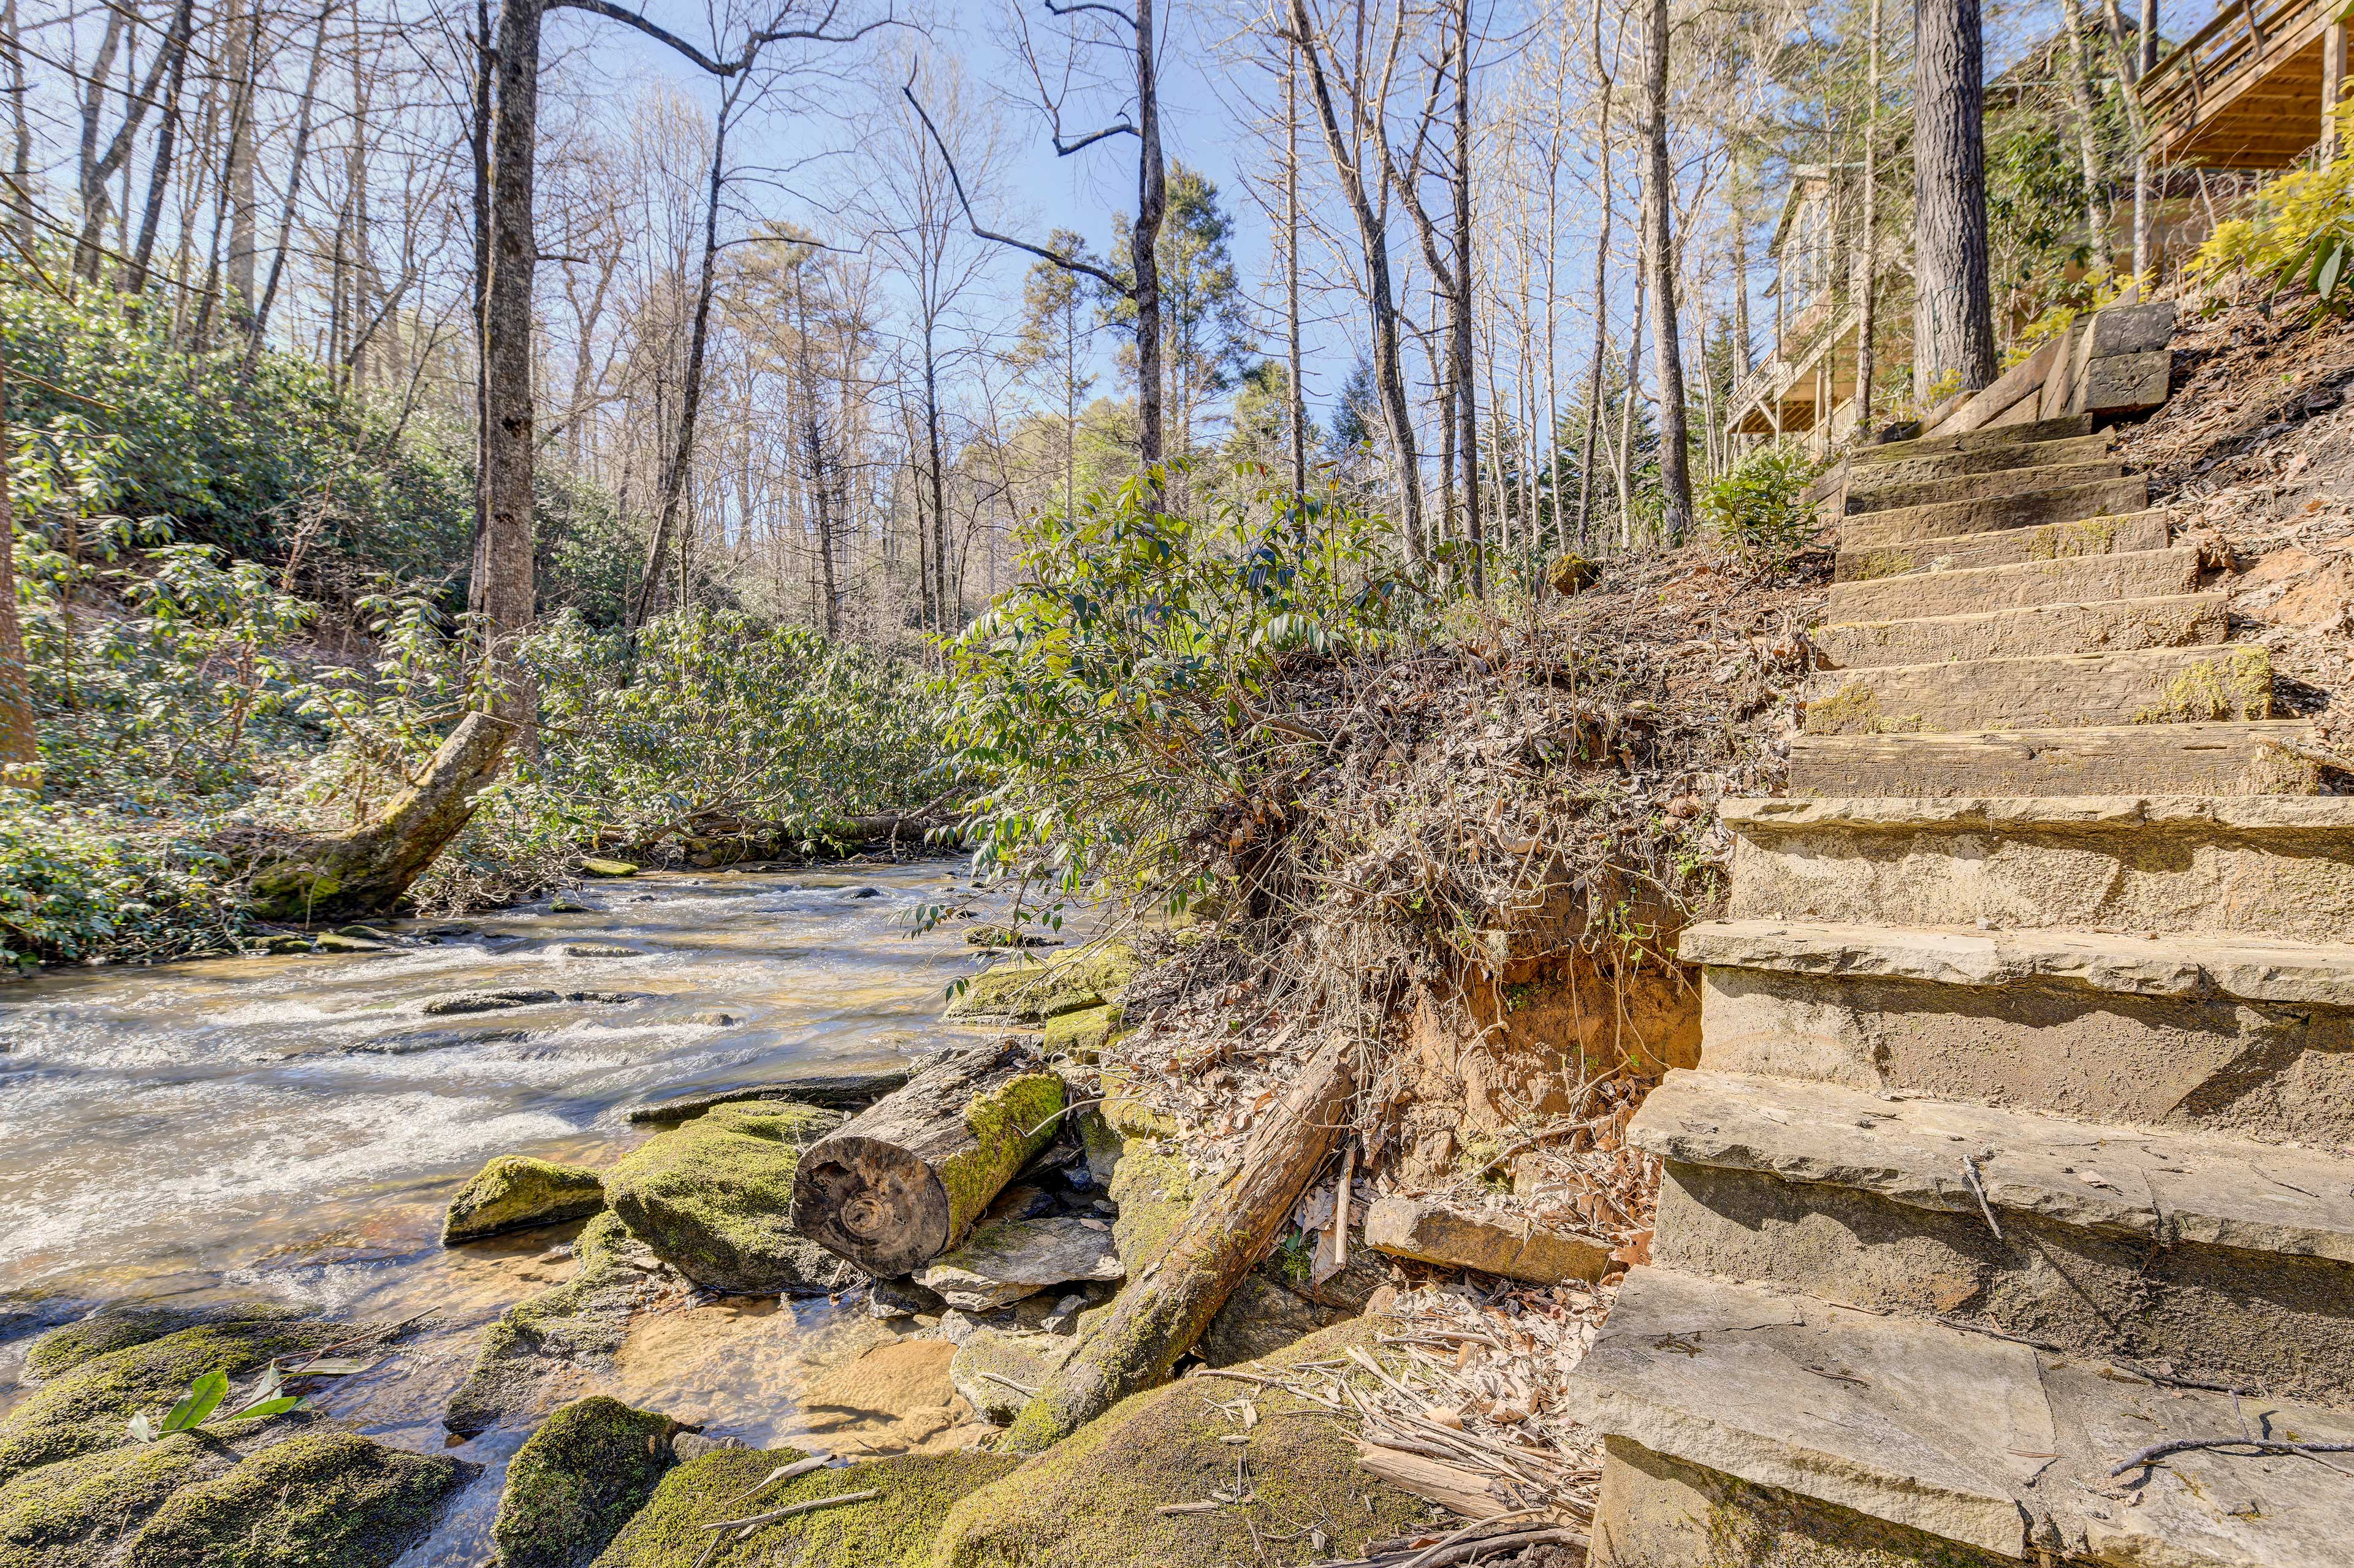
[2019, 1145]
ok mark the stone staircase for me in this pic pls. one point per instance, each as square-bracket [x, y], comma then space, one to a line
[2020, 1140]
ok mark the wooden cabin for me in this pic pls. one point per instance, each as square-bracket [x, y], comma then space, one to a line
[1807, 383]
[2251, 89]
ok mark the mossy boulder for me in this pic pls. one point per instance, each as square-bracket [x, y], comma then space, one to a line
[1132, 1153]
[992, 1361]
[597, 866]
[516, 1193]
[713, 1199]
[1261, 1318]
[894, 1530]
[1081, 1034]
[85, 1411]
[577, 1323]
[75, 1513]
[327, 1499]
[1091, 1500]
[577, 1480]
[1032, 993]
[114, 1327]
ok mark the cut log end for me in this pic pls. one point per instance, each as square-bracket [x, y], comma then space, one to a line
[873, 1203]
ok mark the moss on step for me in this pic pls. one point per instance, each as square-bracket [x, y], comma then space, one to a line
[1032, 993]
[576, 1323]
[1091, 1501]
[577, 1480]
[713, 1199]
[1881, 564]
[894, 1530]
[74, 1513]
[84, 1410]
[2085, 536]
[2238, 685]
[328, 1500]
[515, 1193]
[1854, 709]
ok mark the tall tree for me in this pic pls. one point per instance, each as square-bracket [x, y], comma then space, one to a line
[1660, 258]
[1055, 334]
[1954, 309]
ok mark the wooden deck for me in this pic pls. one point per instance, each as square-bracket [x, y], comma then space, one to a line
[2247, 91]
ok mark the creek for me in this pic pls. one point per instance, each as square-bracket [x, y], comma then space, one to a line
[293, 1126]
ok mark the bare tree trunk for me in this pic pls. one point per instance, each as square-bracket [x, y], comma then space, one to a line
[373, 865]
[1466, 411]
[1954, 337]
[938, 476]
[1659, 251]
[478, 146]
[1387, 372]
[680, 459]
[97, 168]
[1866, 286]
[22, 171]
[2080, 82]
[1601, 295]
[260, 323]
[1295, 403]
[1143, 251]
[159, 174]
[1622, 467]
[20, 749]
[238, 192]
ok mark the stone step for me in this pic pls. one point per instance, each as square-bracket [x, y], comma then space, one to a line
[1885, 495]
[2074, 580]
[1734, 1415]
[2279, 865]
[2045, 691]
[1865, 469]
[2253, 757]
[2066, 428]
[2052, 542]
[2226, 1260]
[2121, 625]
[2223, 1032]
[2028, 509]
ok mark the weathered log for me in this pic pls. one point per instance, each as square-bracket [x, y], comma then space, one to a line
[1166, 1309]
[902, 1180]
[834, 1091]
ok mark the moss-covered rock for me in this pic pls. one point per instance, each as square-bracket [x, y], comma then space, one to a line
[1032, 993]
[1261, 1318]
[328, 1500]
[991, 1362]
[114, 1327]
[713, 1199]
[894, 1530]
[1081, 1034]
[578, 1323]
[577, 1480]
[1090, 1501]
[1130, 1152]
[85, 1410]
[516, 1192]
[75, 1513]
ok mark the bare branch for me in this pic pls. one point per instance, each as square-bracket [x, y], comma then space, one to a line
[1071, 10]
[1067, 263]
[1064, 149]
[661, 35]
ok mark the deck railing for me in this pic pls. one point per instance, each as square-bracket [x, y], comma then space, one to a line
[2245, 36]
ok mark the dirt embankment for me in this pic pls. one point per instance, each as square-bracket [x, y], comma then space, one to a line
[2255, 452]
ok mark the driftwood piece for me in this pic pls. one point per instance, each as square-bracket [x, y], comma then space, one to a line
[834, 1091]
[1165, 1310]
[902, 1180]
[1455, 1488]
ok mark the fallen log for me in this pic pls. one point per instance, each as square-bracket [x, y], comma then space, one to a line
[902, 1180]
[834, 1091]
[1222, 1237]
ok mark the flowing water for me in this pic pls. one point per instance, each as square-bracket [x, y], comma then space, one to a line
[293, 1127]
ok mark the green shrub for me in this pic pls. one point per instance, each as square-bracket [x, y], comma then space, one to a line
[1757, 508]
[1115, 694]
